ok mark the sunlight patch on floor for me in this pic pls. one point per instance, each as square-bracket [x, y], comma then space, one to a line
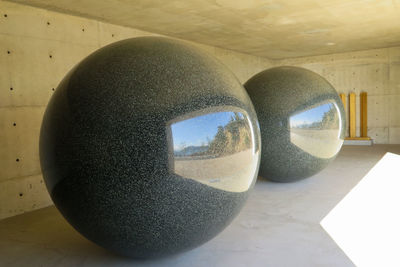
[366, 222]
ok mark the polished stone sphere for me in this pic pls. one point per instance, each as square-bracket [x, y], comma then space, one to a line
[302, 122]
[149, 147]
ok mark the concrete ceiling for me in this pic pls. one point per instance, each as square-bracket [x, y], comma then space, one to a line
[269, 28]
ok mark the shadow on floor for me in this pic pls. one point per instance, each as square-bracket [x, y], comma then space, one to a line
[47, 239]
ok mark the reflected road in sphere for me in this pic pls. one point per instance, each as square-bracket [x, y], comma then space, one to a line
[214, 147]
[317, 130]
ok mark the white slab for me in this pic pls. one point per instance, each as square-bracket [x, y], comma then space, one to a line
[366, 223]
[358, 142]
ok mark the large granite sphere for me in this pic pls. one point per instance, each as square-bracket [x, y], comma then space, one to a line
[149, 147]
[302, 122]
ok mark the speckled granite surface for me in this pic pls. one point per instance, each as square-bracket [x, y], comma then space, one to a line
[149, 147]
[302, 122]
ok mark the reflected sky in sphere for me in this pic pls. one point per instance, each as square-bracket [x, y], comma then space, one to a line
[302, 122]
[310, 116]
[317, 130]
[198, 131]
[107, 147]
[214, 147]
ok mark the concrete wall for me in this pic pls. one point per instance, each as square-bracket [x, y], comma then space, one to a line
[37, 48]
[376, 72]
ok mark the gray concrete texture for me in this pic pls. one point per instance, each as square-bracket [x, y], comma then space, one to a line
[37, 49]
[267, 28]
[29, 36]
[376, 72]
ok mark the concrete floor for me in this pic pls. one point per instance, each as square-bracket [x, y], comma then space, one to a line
[279, 226]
